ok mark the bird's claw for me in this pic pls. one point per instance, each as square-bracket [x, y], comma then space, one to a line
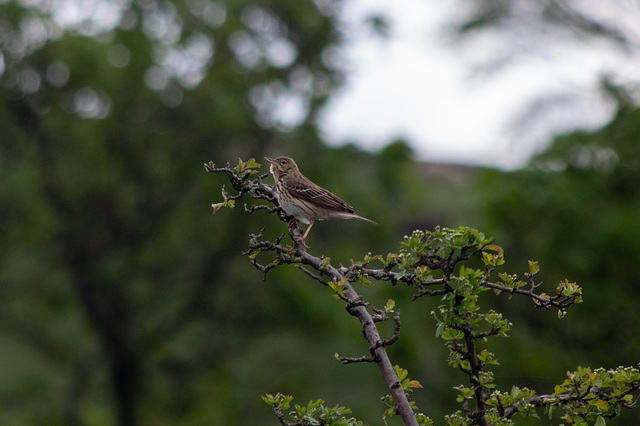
[294, 227]
[300, 241]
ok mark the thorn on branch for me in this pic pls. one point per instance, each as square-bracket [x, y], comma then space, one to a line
[423, 291]
[227, 197]
[254, 239]
[394, 338]
[353, 304]
[312, 275]
[380, 314]
[396, 330]
[252, 208]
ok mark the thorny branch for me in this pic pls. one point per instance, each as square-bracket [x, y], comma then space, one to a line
[321, 270]
[296, 254]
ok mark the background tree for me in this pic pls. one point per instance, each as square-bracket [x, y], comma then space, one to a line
[123, 301]
[105, 108]
[565, 39]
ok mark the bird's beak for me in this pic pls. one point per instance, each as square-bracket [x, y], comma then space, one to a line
[271, 160]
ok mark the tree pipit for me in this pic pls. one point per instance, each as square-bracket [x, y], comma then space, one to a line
[303, 199]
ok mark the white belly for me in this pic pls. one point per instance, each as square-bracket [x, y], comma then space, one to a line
[296, 211]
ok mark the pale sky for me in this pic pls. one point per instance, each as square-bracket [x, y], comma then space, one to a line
[413, 85]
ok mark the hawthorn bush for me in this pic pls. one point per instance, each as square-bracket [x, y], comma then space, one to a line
[456, 266]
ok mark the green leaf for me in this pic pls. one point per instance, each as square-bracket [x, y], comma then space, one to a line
[487, 258]
[400, 372]
[279, 400]
[268, 398]
[239, 167]
[363, 280]
[600, 421]
[600, 404]
[390, 305]
[252, 164]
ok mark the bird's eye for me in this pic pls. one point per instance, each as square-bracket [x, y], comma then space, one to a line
[283, 162]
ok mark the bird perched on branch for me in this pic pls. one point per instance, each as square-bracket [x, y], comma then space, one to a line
[303, 199]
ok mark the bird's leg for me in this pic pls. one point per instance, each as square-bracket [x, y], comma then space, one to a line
[307, 231]
[304, 237]
[294, 228]
[295, 224]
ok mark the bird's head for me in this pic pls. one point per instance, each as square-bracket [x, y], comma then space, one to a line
[282, 166]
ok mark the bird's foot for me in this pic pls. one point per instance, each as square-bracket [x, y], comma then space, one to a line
[300, 240]
[294, 228]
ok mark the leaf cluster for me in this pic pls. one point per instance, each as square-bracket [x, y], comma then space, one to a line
[315, 413]
[592, 395]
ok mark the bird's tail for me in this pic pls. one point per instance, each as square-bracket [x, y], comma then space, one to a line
[357, 216]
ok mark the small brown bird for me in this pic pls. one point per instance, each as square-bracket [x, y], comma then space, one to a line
[303, 199]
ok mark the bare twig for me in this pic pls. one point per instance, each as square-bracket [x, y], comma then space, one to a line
[280, 415]
[351, 360]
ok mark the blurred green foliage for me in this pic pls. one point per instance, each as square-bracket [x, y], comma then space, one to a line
[124, 301]
[575, 210]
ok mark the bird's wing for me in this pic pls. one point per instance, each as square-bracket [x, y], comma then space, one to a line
[312, 193]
